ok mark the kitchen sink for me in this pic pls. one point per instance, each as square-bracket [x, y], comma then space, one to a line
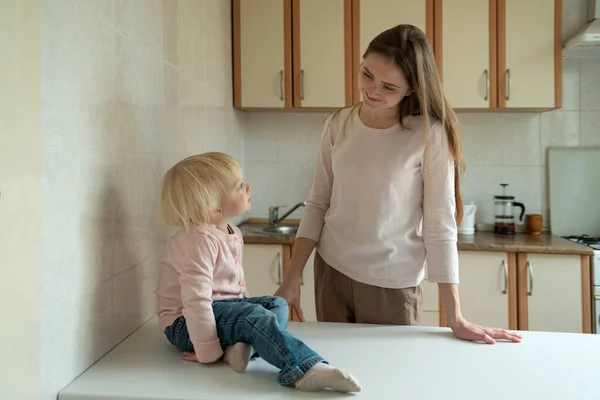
[281, 229]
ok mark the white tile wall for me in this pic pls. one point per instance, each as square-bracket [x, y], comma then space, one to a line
[280, 149]
[129, 88]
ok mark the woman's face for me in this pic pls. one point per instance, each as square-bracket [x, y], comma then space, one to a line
[382, 85]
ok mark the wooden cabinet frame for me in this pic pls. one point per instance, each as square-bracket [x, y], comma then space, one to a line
[557, 53]
[493, 43]
[586, 293]
[352, 56]
[511, 259]
[356, 54]
[296, 53]
[497, 57]
[292, 54]
[237, 53]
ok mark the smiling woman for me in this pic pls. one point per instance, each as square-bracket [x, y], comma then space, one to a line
[380, 82]
[386, 197]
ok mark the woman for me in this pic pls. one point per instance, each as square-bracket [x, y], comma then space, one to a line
[386, 197]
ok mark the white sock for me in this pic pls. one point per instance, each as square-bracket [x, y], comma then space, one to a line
[238, 356]
[323, 376]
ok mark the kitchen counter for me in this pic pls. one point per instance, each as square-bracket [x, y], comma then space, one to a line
[481, 241]
[521, 243]
[252, 235]
[390, 362]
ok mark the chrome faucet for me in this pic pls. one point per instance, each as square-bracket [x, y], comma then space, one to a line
[274, 213]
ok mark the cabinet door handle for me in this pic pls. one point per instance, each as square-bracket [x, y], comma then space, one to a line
[302, 84]
[508, 83]
[487, 85]
[505, 268]
[279, 268]
[281, 85]
[529, 279]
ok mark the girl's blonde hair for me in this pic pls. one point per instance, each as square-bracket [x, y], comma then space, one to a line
[193, 189]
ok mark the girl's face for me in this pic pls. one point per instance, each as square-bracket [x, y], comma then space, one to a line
[382, 84]
[237, 200]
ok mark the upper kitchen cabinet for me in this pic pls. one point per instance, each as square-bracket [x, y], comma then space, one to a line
[529, 54]
[292, 54]
[371, 17]
[488, 288]
[500, 54]
[262, 54]
[466, 51]
[322, 48]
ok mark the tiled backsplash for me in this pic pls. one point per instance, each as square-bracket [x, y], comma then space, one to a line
[129, 88]
[280, 149]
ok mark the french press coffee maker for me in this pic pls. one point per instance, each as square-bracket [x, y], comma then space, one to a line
[504, 223]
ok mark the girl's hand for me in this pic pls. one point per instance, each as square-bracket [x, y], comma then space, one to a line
[189, 356]
[290, 292]
[465, 330]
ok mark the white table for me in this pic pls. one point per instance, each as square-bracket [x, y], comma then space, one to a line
[390, 362]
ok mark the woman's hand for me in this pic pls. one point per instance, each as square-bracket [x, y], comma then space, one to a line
[289, 290]
[465, 330]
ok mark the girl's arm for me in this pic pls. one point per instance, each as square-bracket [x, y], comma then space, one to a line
[195, 264]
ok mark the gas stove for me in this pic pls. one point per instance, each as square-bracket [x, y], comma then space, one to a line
[593, 242]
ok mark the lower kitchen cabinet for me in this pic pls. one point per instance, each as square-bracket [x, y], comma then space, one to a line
[488, 288]
[307, 290]
[524, 291]
[554, 293]
[264, 265]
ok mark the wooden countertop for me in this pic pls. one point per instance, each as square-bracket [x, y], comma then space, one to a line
[521, 243]
[481, 241]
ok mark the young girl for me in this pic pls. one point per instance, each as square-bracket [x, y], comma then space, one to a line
[386, 197]
[203, 302]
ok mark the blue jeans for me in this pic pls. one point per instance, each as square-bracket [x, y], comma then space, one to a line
[260, 322]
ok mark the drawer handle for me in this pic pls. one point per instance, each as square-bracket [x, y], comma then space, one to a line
[302, 84]
[508, 84]
[505, 267]
[529, 279]
[281, 85]
[279, 268]
[487, 85]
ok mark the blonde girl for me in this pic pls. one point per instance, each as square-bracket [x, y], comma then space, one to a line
[203, 304]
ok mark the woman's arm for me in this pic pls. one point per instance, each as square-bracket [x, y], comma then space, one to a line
[464, 329]
[309, 231]
[303, 247]
[440, 235]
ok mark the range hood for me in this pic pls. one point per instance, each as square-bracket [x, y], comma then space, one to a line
[586, 42]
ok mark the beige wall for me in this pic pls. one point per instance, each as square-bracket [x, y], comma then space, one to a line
[130, 87]
[20, 198]
[127, 87]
